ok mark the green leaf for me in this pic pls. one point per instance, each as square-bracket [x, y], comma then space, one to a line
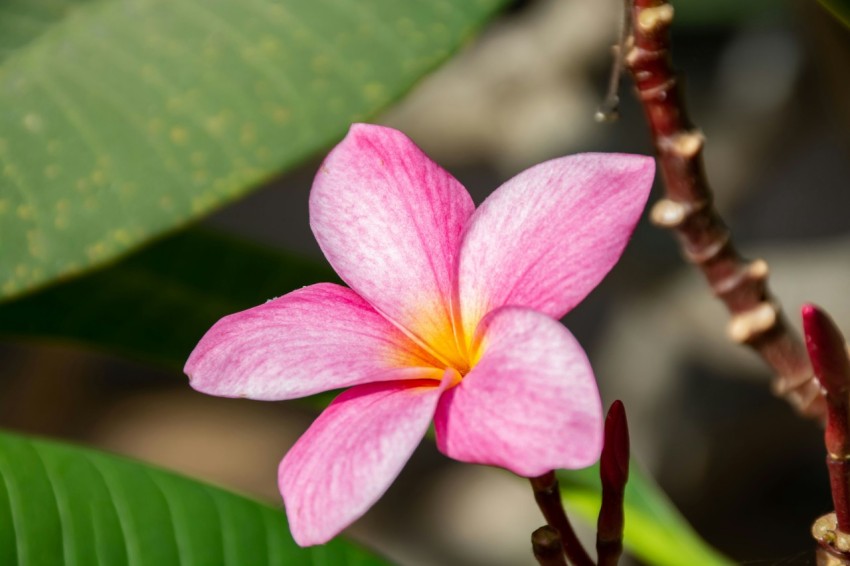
[838, 8]
[124, 119]
[156, 304]
[66, 505]
[655, 531]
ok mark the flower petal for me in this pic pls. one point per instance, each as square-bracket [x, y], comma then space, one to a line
[530, 404]
[389, 220]
[352, 453]
[548, 236]
[314, 339]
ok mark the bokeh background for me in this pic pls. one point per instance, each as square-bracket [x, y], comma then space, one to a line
[767, 82]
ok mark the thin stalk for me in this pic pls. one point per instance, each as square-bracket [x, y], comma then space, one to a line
[548, 496]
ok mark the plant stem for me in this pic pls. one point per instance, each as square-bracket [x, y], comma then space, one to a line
[757, 319]
[614, 472]
[548, 496]
[547, 547]
[828, 354]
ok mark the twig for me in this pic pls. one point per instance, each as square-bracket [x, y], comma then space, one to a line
[614, 471]
[548, 497]
[828, 354]
[757, 319]
[547, 547]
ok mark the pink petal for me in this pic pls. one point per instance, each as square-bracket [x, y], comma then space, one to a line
[389, 220]
[530, 404]
[548, 236]
[314, 339]
[352, 453]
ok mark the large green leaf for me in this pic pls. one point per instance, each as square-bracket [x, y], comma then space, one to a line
[122, 119]
[156, 304]
[655, 531]
[65, 505]
[838, 8]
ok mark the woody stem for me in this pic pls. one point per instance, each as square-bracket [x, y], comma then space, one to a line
[688, 210]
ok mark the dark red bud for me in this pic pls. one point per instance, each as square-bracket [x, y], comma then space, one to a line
[614, 464]
[827, 351]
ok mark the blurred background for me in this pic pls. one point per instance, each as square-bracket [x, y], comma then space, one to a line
[767, 82]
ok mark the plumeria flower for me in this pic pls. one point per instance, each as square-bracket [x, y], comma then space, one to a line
[450, 315]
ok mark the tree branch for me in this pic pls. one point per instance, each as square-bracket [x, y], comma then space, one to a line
[688, 210]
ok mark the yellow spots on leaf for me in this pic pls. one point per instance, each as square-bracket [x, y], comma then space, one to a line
[179, 135]
[35, 243]
[97, 251]
[128, 189]
[320, 64]
[61, 221]
[263, 153]
[71, 268]
[150, 74]
[405, 26]
[199, 176]
[155, 126]
[98, 177]
[374, 92]
[26, 212]
[269, 44]
[216, 124]
[122, 237]
[248, 134]
[52, 171]
[202, 203]
[33, 122]
[281, 114]
[10, 287]
[175, 104]
[21, 271]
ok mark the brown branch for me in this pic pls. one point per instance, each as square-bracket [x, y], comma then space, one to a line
[548, 497]
[688, 210]
[547, 547]
[614, 472]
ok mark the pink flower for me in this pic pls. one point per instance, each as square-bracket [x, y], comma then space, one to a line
[451, 316]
